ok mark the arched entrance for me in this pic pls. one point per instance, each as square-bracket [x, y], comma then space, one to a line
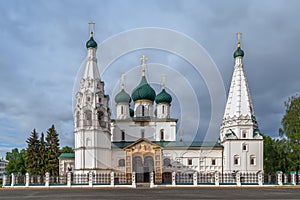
[142, 166]
[143, 157]
[167, 177]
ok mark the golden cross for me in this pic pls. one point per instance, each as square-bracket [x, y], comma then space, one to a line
[239, 38]
[143, 59]
[123, 80]
[91, 27]
[163, 80]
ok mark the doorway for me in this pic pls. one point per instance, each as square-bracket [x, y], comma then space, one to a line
[142, 166]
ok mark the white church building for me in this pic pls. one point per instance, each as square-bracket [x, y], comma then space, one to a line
[142, 137]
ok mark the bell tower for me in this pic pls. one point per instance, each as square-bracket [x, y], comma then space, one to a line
[92, 117]
[239, 133]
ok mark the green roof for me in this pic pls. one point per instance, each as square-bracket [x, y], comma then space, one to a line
[171, 144]
[163, 97]
[143, 91]
[256, 132]
[91, 43]
[238, 52]
[122, 97]
[67, 155]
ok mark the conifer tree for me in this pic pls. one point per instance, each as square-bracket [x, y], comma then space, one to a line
[32, 153]
[42, 160]
[52, 151]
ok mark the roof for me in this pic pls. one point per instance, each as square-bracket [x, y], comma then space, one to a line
[171, 144]
[67, 155]
[163, 97]
[143, 91]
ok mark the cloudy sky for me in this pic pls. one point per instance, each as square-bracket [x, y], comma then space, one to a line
[43, 47]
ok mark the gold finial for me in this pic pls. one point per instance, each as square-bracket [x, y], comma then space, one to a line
[123, 80]
[92, 28]
[239, 38]
[143, 63]
[163, 80]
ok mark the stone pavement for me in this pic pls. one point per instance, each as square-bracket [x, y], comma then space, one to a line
[153, 194]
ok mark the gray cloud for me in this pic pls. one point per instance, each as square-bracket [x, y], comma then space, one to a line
[43, 45]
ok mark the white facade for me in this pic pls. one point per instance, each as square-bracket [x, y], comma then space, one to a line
[92, 120]
[239, 133]
[147, 135]
[3, 164]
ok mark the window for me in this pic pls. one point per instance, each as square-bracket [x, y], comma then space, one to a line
[252, 160]
[122, 110]
[162, 134]
[190, 161]
[213, 161]
[123, 135]
[244, 134]
[121, 162]
[236, 160]
[88, 117]
[143, 111]
[88, 99]
[244, 147]
[100, 115]
[163, 109]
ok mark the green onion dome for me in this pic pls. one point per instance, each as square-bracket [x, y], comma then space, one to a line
[143, 91]
[122, 97]
[238, 52]
[91, 43]
[131, 112]
[163, 97]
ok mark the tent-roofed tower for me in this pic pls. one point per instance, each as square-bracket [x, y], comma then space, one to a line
[92, 117]
[239, 133]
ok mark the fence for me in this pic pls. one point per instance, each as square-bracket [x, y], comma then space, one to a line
[115, 179]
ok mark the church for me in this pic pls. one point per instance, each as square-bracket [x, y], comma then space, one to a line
[142, 137]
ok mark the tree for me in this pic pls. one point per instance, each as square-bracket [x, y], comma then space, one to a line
[16, 161]
[32, 158]
[291, 131]
[52, 149]
[43, 160]
[66, 149]
[270, 155]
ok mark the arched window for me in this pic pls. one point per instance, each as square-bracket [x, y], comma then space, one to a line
[88, 117]
[143, 111]
[99, 115]
[163, 109]
[122, 110]
[244, 134]
[162, 134]
[252, 160]
[123, 135]
[236, 160]
[245, 147]
[121, 162]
